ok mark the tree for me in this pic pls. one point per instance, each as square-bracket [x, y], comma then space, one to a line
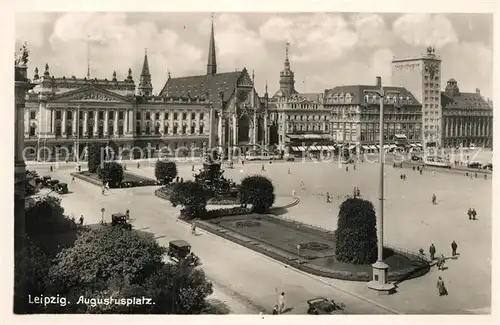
[95, 156]
[356, 235]
[257, 191]
[111, 172]
[165, 171]
[192, 196]
[111, 262]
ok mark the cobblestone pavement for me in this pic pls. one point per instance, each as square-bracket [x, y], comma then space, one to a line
[411, 222]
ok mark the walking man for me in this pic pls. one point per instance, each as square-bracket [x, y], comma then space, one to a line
[263, 169]
[420, 171]
[474, 213]
[454, 247]
[281, 303]
[138, 165]
[81, 220]
[346, 168]
[193, 229]
[328, 197]
[289, 171]
[469, 213]
[73, 179]
[432, 251]
[434, 199]
[441, 287]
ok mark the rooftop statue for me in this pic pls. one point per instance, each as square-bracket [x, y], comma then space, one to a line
[21, 58]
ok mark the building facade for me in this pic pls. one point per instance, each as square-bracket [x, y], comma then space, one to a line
[214, 109]
[467, 118]
[422, 77]
[298, 121]
[355, 113]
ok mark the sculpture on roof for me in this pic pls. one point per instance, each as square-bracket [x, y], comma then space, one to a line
[431, 51]
[22, 57]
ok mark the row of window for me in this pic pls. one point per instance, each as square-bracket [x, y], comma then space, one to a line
[432, 85]
[431, 99]
[139, 115]
[370, 126]
[307, 127]
[429, 78]
[392, 117]
[175, 129]
[306, 117]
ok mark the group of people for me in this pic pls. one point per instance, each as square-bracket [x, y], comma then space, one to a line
[280, 307]
[442, 291]
[472, 213]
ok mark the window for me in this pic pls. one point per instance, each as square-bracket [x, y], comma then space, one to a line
[201, 116]
[101, 115]
[120, 129]
[175, 129]
[101, 131]
[157, 128]
[69, 129]
[192, 129]
[166, 116]
[193, 116]
[138, 128]
[176, 116]
[120, 115]
[157, 116]
[80, 130]
[69, 115]
[91, 115]
[184, 128]
[148, 116]
[148, 128]
[138, 115]
[201, 129]
[32, 130]
[58, 115]
[111, 115]
[166, 129]
[111, 130]
[57, 130]
[33, 115]
[184, 116]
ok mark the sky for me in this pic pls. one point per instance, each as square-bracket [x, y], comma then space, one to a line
[326, 49]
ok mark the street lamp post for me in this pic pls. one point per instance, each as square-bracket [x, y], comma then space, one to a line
[380, 270]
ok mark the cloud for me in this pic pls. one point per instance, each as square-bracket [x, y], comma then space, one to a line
[117, 45]
[320, 37]
[30, 28]
[425, 30]
[371, 30]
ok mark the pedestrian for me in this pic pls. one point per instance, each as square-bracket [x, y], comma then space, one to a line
[79, 168]
[275, 310]
[192, 168]
[346, 168]
[420, 171]
[138, 165]
[281, 301]
[413, 168]
[51, 168]
[404, 177]
[401, 176]
[440, 262]
[434, 199]
[293, 193]
[358, 192]
[474, 213]
[243, 162]
[328, 197]
[485, 176]
[193, 228]
[475, 175]
[103, 190]
[354, 166]
[182, 180]
[124, 167]
[289, 171]
[177, 179]
[81, 220]
[454, 247]
[262, 168]
[469, 213]
[432, 251]
[73, 179]
[441, 287]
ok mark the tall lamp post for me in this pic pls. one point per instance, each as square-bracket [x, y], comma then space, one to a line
[380, 280]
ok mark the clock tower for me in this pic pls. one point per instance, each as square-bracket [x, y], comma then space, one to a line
[422, 76]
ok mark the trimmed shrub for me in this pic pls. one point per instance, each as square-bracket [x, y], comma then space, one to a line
[227, 212]
[111, 172]
[192, 196]
[356, 235]
[258, 191]
[165, 171]
[94, 155]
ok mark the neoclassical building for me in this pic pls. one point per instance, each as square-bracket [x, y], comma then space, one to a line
[467, 118]
[205, 111]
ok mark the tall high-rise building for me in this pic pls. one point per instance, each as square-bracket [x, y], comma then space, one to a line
[422, 77]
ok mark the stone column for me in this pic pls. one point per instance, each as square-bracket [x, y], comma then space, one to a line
[85, 122]
[254, 129]
[266, 132]
[235, 130]
[75, 118]
[211, 127]
[171, 119]
[106, 122]
[63, 122]
[162, 123]
[27, 123]
[115, 122]
[53, 121]
[189, 121]
[223, 132]
[219, 130]
[96, 122]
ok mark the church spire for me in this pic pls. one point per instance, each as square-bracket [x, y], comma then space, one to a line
[145, 85]
[287, 78]
[212, 60]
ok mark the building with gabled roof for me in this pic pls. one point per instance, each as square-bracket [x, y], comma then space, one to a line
[467, 118]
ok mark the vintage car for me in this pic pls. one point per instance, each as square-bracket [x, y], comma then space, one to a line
[120, 220]
[180, 250]
[488, 166]
[323, 306]
[45, 181]
[61, 188]
[475, 165]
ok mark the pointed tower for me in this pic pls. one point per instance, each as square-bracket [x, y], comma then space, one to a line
[145, 85]
[287, 79]
[212, 60]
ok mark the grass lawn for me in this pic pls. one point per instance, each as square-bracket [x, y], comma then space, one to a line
[127, 177]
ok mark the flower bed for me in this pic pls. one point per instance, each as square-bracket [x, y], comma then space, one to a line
[129, 180]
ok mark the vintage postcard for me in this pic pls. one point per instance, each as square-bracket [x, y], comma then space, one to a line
[252, 163]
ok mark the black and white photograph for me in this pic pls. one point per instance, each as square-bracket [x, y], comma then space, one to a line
[259, 163]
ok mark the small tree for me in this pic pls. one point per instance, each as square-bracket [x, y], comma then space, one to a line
[95, 156]
[356, 235]
[165, 171]
[257, 191]
[111, 172]
[192, 196]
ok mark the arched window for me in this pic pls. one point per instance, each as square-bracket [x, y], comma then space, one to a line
[32, 130]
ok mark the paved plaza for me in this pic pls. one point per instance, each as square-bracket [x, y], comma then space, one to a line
[246, 278]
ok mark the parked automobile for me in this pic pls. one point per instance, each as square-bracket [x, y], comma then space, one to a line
[180, 250]
[61, 188]
[45, 181]
[323, 306]
[416, 158]
[120, 220]
[474, 164]
[488, 166]
[289, 157]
